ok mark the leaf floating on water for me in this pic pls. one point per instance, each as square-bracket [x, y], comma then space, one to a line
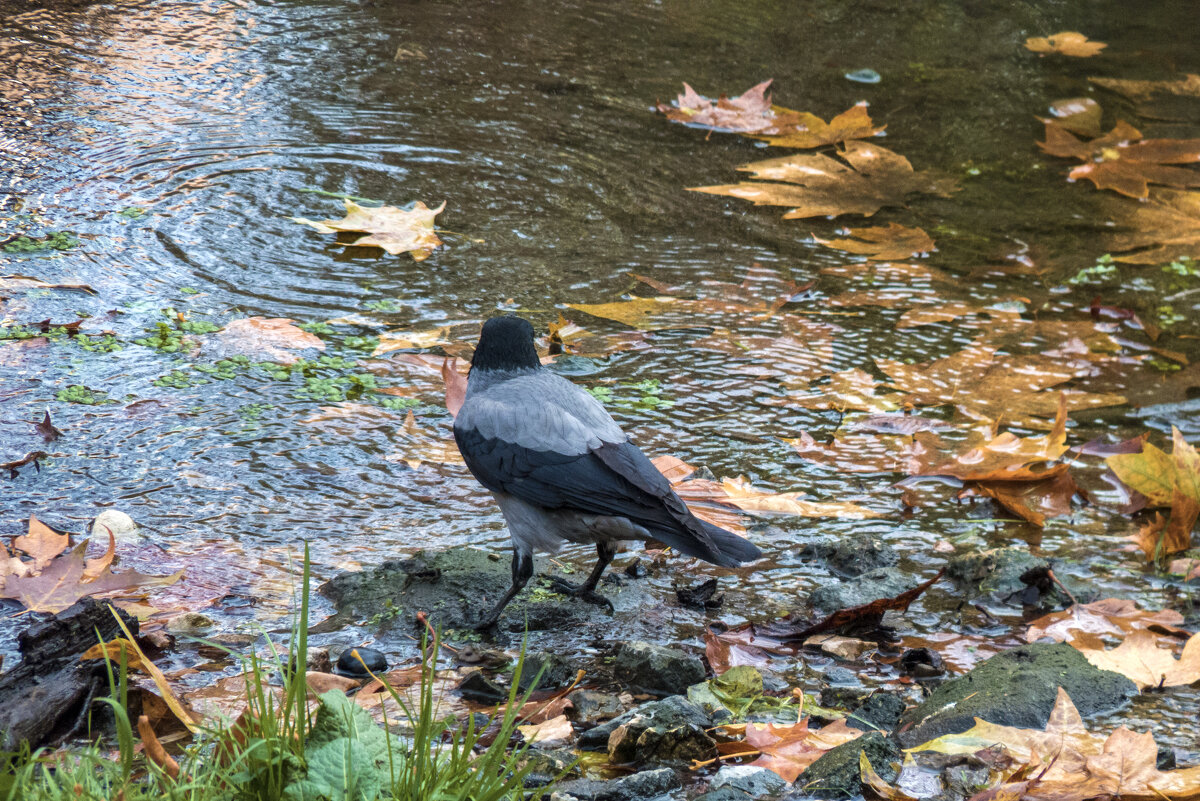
[269, 339]
[1141, 658]
[803, 130]
[889, 243]
[1168, 223]
[1066, 43]
[1166, 481]
[1079, 115]
[749, 499]
[1110, 616]
[1121, 160]
[1167, 100]
[868, 178]
[394, 229]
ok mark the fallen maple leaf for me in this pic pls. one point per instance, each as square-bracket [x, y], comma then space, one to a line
[269, 339]
[789, 750]
[394, 229]
[1122, 161]
[1033, 501]
[1164, 480]
[887, 243]
[953, 310]
[1142, 660]
[868, 178]
[1168, 223]
[847, 390]
[41, 542]
[1066, 43]
[857, 453]
[420, 446]
[739, 493]
[456, 386]
[724, 652]
[1173, 99]
[1079, 115]
[636, 312]
[802, 130]
[412, 340]
[1108, 616]
[555, 731]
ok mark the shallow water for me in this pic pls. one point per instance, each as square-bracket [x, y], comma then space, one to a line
[537, 128]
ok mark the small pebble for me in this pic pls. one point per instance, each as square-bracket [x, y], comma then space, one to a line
[864, 76]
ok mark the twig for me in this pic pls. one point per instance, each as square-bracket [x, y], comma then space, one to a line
[1062, 587]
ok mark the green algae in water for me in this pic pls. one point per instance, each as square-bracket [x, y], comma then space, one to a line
[54, 240]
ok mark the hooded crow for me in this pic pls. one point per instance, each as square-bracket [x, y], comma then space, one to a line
[561, 469]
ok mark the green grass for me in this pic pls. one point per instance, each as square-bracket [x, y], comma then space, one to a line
[280, 751]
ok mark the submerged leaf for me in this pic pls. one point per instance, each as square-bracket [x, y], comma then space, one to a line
[1066, 43]
[887, 243]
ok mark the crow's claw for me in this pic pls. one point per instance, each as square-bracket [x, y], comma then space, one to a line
[581, 592]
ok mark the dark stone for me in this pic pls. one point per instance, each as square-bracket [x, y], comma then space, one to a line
[852, 555]
[883, 710]
[726, 793]
[589, 706]
[46, 697]
[997, 575]
[457, 586]
[645, 784]
[922, 663]
[871, 586]
[674, 711]
[482, 690]
[837, 774]
[668, 731]
[656, 669]
[555, 672]
[754, 781]
[360, 663]
[1015, 688]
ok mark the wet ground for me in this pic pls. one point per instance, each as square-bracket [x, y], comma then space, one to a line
[176, 139]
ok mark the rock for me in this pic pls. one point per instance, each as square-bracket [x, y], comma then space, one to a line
[555, 672]
[589, 706]
[843, 689]
[479, 688]
[360, 663]
[870, 586]
[1015, 688]
[669, 712]
[849, 649]
[881, 709]
[190, 623]
[724, 794]
[318, 660]
[755, 782]
[836, 774]
[997, 574]
[656, 669]
[123, 529]
[457, 586]
[852, 555]
[644, 785]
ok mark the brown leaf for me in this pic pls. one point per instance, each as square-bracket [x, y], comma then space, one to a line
[739, 493]
[154, 749]
[270, 339]
[324, 682]
[1168, 224]
[952, 310]
[394, 229]
[889, 243]
[46, 429]
[789, 750]
[1033, 501]
[420, 446]
[556, 731]
[1110, 616]
[848, 390]
[868, 178]
[94, 568]
[1142, 660]
[1066, 43]
[1170, 100]
[41, 542]
[858, 453]
[802, 130]
[724, 651]
[749, 112]
[456, 386]
[636, 312]
[1124, 162]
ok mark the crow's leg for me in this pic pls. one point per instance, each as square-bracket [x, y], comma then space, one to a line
[605, 551]
[522, 571]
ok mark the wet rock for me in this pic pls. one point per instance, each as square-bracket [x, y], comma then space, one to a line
[190, 624]
[854, 555]
[843, 689]
[665, 731]
[47, 696]
[997, 575]
[883, 710]
[673, 711]
[455, 587]
[589, 706]
[724, 794]
[360, 663]
[753, 781]
[922, 663]
[870, 586]
[555, 672]
[657, 669]
[837, 775]
[545, 765]
[646, 784]
[123, 529]
[480, 689]
[1015, 688]
[963, 782]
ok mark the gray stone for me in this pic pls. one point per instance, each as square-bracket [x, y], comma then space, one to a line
[852, 555]
[1015, 688]
[667, 713]
[657, 669]
[650, 740]
[754, 781]
[996, 574]
[646, 784]
[455, 587]
[883, 710]
[190, 623]
[555, 672]
[837, 774]
[724, 794]
[870, 586]
[589, 706]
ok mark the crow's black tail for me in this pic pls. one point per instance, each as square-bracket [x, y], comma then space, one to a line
[738, 549]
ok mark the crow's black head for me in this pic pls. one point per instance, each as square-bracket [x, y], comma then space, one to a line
[505, 344]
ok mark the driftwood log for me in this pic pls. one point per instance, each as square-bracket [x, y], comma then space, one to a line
[45, 698]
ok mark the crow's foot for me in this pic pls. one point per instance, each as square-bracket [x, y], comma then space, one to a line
[582, 592]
